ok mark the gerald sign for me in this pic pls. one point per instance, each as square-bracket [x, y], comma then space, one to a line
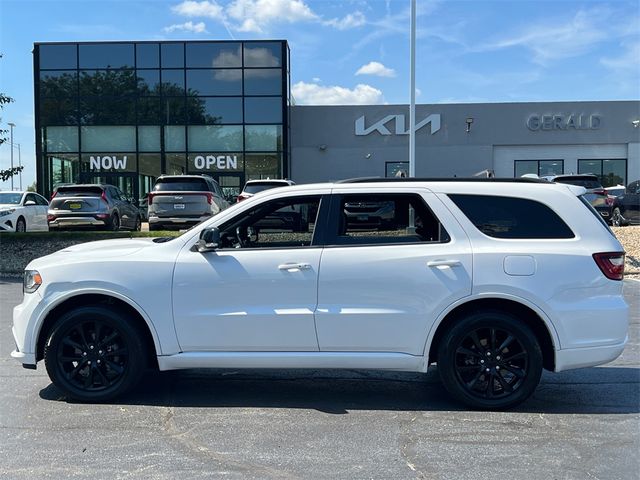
[564, 122]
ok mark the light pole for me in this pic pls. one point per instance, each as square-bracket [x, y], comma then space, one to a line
[20, 165]
[11, 125]
[412, 105]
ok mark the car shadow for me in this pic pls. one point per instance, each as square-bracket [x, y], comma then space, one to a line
[599, 390]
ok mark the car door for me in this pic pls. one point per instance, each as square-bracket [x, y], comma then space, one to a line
[393, 261]
[127, 213]
[258, 290]
[30, 212]
[41, 212]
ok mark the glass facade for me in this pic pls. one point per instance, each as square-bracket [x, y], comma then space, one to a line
[611, 172]
[126, 112]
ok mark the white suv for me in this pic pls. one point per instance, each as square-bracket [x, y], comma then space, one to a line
[492, 280]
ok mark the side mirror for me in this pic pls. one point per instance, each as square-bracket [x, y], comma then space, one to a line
[28, 203]
[209, 240]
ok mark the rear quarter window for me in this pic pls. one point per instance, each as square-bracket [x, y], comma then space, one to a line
[511, 217]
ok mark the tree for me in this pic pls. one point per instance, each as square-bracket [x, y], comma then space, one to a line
[6, 174]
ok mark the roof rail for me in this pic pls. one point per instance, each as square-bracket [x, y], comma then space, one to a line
[441, 179]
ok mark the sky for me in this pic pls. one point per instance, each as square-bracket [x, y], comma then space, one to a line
[356, 51]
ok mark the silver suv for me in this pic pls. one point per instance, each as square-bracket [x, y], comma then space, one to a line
[183, 201]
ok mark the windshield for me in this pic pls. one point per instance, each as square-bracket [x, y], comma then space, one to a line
[259, 187]
[181, 185]
[10, 198]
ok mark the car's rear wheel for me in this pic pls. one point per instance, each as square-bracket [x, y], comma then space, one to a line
[137, 225]
[115, 222]
[490, 360]
[94, 354]
[617, 220]
[21, 225]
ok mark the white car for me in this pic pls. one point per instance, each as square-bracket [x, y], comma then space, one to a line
[492, 280]
[23, 212]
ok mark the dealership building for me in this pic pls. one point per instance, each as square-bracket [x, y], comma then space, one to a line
[126, 112]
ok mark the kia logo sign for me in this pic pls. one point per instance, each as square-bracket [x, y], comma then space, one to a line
[399, 125]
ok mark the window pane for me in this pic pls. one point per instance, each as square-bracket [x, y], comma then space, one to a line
[117, 83]
[551, 167]
[172, 55]
[614, 172]
[148, 82]
[58, 111]
[63, 169]
[107, 55]
[262, 54]
[397, 169]
[590, 166]
[213, 55]
[264, 81]
[107, 111]
[174, 110]
[147, 55]
[108, 139]
[58, 56]
[214, 82]
[172, 82]
[263, 109]
[62, 139]
[58, 84]
[149, 164]
[150, 111]
[115, 163]
[263, 138]
[175, 163]
[509, 217]
[149, 139]
[214, 110]
[524, 167]
[259, 166]
[213, 138]
[204, 163]
[174, 140]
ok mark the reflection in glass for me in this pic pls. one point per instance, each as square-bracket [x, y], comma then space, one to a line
[614, 172]
[263, 81]
[213, 55]
[58, 111]
[214, 110]
[58, 84]
[263, 138]
[150, 164]
[172, 55]
[263, 109]
[149, 138]
[550, 167]
[524, 167]
[108, 162]
[148, 82]
[62, 139]
[150, 111]
[58, 56]
[106, 55]
[117, 83]
[175, 163]
[63, 169]
[214, 138]
[262, 54]
[172, 83]
[396, 169]
[173, 110]
[214, 82]
[147, 55]
[259, 166]
[107, 111]
[174, 140]
[108, 139]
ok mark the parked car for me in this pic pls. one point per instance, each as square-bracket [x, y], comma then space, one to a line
[23, 212]
[493, 280]
[92, 205]
[179, 201]
[616, 190]
[596, 194]
[626, 207]
[254, 186]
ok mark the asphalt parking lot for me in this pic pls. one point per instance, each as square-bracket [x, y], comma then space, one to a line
[581, 424]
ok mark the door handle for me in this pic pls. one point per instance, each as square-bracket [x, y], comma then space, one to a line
[444, 263]
[294, 266]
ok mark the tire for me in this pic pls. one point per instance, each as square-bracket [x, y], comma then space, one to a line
[94, 354]
[115, 223]
[153, 227]
[21, 225]
[490, 360]
[137, 226]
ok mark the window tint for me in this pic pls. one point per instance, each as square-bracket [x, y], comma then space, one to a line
[214, 110]
[386, 218]
[30, 198]
[263, 81]
[214, 82]
[58, 56]
[263, 110]
[181, 185]
[282, 223]
[262, 54]
[107, 55]
[213, 55]
[41, 200]
[147, 55]
[172, 55]
[509, 217]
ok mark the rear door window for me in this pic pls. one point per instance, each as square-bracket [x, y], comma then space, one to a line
[510, 217]
[181, 185]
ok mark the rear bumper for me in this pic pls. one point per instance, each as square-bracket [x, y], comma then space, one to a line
[155, 220]
[77, 222]
[587, 357]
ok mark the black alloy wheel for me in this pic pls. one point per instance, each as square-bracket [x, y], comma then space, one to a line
[617, 220]
[94, 354]
[115, 222]
[21, 225]
[490, 360]
[137, 225]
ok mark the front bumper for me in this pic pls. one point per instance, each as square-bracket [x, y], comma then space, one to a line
[25, 318]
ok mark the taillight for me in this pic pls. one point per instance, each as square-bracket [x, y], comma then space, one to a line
[611, 264]
[104, 196]
[609, 201]
[210, 197]
[241, 197]
[54, 194]
[50, 218]
[149, 198]
[600, 191]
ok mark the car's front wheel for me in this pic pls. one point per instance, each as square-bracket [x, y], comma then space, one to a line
[490, 360]
[94, 354]
[617, 220]
[21, 225]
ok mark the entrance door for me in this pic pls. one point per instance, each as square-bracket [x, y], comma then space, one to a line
[231, 184]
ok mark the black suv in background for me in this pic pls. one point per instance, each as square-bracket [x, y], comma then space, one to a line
[596, 195]
[92, 205]
[626, 207]
[179, 201]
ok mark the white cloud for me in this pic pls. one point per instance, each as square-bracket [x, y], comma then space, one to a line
[627, 61]
[206, 8]
[352, 20]
[377, 69]
[313, 94]
[316, 79]
[258, 15]
[187, 27]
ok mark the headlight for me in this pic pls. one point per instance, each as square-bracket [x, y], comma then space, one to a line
[7, 212]
[32, 280]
